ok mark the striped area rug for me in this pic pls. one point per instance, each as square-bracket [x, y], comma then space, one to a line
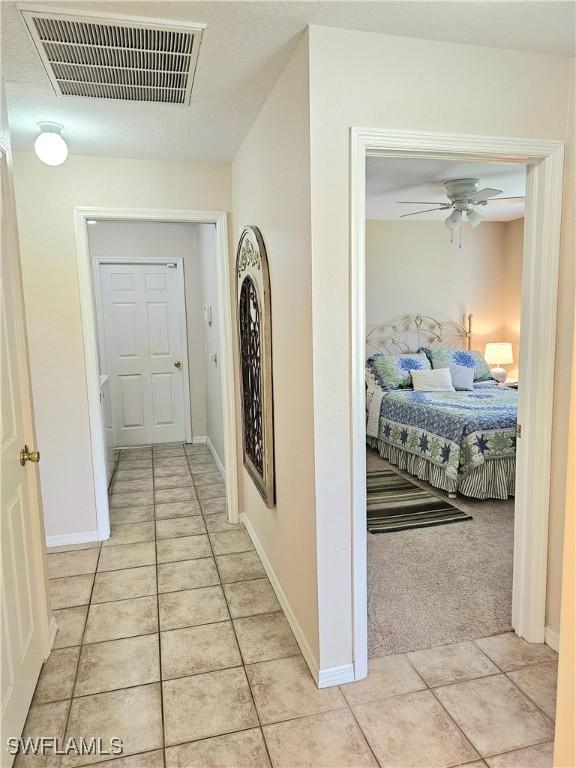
[396, 504]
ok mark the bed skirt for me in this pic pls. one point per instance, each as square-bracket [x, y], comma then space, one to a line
[495, 479]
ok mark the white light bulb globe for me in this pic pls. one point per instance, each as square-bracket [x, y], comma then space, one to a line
[51, 148]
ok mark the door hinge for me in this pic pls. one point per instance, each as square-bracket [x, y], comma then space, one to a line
[518, 430]
[171, 266]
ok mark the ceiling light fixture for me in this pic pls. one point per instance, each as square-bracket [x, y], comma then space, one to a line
[454, 221]
[474, 217]
[50, 146]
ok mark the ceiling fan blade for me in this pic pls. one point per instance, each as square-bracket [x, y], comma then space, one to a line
[422, 202]
[507, 200]
[484, 194]
[416, 213]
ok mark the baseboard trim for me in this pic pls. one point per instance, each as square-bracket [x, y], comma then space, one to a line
[52, 630]
[283, 600]
[336, 675]
[552, 638]
[216, 457]
[200, 440]
[65, 539]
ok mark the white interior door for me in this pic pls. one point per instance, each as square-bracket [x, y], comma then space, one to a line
[143, 317]
[24, 634]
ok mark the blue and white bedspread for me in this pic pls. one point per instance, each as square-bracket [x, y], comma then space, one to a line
[454, 432]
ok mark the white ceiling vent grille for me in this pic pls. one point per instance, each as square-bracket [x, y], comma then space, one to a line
[116, 58]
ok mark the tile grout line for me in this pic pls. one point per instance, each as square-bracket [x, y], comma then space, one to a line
[162, 715]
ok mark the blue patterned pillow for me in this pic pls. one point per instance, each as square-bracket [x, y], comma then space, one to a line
[442, 357]
[393, 371]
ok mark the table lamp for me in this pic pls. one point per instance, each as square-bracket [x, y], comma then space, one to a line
[498, 353]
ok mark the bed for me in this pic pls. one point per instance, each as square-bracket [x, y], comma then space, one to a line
[462, 442]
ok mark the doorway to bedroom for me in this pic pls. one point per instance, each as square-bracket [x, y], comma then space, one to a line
[443, 285]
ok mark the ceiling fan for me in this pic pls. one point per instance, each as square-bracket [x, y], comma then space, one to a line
[463, 195]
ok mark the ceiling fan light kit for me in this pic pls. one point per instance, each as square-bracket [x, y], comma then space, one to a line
[463, 195]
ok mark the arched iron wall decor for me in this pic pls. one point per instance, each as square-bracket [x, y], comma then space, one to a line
[255, 343]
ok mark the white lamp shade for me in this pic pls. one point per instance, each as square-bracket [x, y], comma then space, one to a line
[50, 147]
[499, 353]
[454, 221]
[474, 217]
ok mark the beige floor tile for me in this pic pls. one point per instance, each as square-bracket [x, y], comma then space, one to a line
[123, 515]
[243, 566]
[129, 486]
[330, 740]
[207, 705]
[387, 676]
[133, 499]
[44, 720]
[249, 598]
[218, 490]
[183, 548]
[244, 749]
[130, 464]
[154, 759]
[123, 618]
[72, 563]
[452, 663]
[56, 679]
[218, 522]
[539, 683]
[70, 591]
[168, 495]
[208, 478]
[136, 452]
[70, 623]
[180, 526]
[171, 461]
[163, 453]
[192, 608]
[193, 650]
[284, 689]
[73, 547]
[539, 756]
[495, 715]
[132, 474]
[127, 556]
[214, 506]
[510, 652]
[187, 574]
[231, 542]
[131, 533]
[413, 731]
[132, 714]
[201, 468]
[173, 481]
[181, 471]
[118, 664]
[124, 584]
[266, 637]
[177, 509]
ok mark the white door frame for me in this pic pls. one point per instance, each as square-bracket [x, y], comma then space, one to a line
[179, 261]
[218, 218]
[537, 347]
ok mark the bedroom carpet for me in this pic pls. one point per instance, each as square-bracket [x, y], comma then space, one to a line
[440, 585]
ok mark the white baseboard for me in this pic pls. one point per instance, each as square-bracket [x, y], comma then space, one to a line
[552, 638]
[200, 440]
[65, 539]
[216, 457]
[336, 675]
[283, 600]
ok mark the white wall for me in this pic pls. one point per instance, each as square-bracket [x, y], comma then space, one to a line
[378, 81]
[271, 188]
[45, 199]
[150, 239]
[411, 268]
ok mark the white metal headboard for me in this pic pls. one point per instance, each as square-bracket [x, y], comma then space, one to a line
[414, 331]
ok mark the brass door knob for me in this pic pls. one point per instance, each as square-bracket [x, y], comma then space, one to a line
[178, 364]
[27, 455]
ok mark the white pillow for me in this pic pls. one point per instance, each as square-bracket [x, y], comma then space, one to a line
[438, 380]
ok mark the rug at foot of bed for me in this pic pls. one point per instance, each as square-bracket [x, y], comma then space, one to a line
[396, 504]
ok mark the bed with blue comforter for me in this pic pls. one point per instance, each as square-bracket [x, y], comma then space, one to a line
[461, 442]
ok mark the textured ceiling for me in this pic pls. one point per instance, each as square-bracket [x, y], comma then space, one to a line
[389, 180]
[246, 46]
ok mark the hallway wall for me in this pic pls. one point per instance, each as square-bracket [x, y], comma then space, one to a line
[45, 198]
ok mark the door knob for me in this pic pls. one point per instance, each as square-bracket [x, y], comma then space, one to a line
[178, 364]
[27, 455]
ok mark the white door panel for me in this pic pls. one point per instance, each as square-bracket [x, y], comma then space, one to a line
[24, 634]
[144, 329]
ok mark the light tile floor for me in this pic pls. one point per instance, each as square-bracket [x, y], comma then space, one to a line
[171, 638]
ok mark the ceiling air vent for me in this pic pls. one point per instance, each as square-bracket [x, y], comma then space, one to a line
[117, 58]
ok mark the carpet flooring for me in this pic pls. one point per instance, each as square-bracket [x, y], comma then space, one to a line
[440, 585]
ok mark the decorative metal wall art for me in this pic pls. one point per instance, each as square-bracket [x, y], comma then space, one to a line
[255, 343]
